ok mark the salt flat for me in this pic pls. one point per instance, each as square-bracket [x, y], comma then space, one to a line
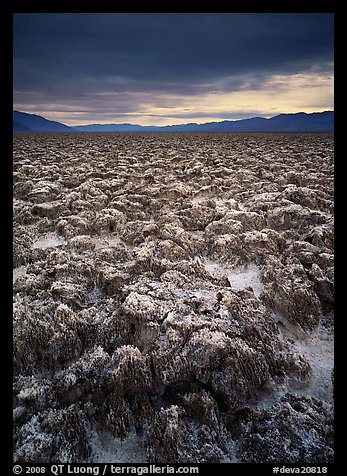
[171, 294]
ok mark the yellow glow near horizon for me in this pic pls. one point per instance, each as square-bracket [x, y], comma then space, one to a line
[309, 93]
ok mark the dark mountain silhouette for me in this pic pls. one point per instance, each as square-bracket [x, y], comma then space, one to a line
[318, 121]
[37, 123]
[124, 127]
[298, 122]
[19, 127]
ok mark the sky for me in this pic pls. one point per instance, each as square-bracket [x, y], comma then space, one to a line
[171, 68]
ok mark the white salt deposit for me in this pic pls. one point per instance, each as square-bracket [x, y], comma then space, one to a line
[318, 348]
[203, 293]
[105, 448]
[240, 277]
[49, 240]
[243, 276]
[197, 233]
[106, 241]
[18, 272]
[288, 329]
[198, 199]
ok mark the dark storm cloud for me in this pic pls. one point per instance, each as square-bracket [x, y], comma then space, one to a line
[179, 53]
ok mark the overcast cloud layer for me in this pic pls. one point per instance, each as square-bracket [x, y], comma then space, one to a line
[171, 68]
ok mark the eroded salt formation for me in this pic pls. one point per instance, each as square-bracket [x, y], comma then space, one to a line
[172, 294]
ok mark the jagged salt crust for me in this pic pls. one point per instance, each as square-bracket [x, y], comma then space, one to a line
[172, 294]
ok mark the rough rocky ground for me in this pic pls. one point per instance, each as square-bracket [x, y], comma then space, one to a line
[173, 298]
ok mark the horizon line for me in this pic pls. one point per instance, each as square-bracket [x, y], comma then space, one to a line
[172, 125]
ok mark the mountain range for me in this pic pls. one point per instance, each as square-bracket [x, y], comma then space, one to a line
[31, 122]
[297, 122]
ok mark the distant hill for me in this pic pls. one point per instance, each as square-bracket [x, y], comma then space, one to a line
[19, 127]
[317, 121]
[32, 122]
[124, 127]
[298, 122]
[301, 121]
